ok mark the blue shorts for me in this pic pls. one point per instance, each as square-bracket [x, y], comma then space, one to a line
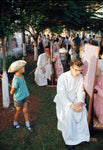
[20, 103]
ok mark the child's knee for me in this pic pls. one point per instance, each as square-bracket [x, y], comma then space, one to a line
[19, 111]
[25, 111]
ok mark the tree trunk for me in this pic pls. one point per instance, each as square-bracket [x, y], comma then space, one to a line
[4, 58]
[24, 46]
[35, 37]
[35, 51]
[10, 46]
[5, 89]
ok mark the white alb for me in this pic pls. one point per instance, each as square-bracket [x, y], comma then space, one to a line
[73, 125]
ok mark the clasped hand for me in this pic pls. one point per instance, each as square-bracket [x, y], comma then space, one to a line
[43, 69]
[77, 107]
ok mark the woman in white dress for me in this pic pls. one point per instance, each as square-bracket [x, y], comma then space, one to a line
[44, 70]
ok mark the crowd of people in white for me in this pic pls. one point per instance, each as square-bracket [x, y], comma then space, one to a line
[71, 44]
[63, 49]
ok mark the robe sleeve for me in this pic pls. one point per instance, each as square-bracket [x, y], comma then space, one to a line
[15, 83]
[80, 92]
[61, 97]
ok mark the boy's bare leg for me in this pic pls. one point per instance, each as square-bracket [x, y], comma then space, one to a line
[18, 112]
[25, 111]
[26, 116]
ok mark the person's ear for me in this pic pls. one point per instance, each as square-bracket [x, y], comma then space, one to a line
[70, 67]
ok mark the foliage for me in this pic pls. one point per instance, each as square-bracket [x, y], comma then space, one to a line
[20, 14]
[9, 60]
[70, 14]
[57, 30]
[8, 13]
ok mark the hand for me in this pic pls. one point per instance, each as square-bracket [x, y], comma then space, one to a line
[79, 104]
[43, 70]
[12, 90]
[77, 107]
[53, 59]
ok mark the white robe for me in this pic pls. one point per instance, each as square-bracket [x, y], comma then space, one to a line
[40, 77]
[73, 125]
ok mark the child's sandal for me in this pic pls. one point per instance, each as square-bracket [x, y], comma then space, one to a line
[17, 126]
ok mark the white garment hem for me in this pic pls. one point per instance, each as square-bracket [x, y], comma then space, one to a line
[72, 142]
[86, 139]
[41, 84]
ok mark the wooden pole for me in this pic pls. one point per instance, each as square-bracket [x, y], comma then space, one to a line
[32, 71]
[89, 110]
[51, 52]
[51, 56]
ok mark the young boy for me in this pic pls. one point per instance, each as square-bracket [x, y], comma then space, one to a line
[20, 93]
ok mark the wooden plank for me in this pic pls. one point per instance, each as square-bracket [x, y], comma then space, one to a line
[93, 140]
[51, 85]
[97, 124]
[90, 61]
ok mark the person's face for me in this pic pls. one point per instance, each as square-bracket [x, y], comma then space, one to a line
[47, 51]
[75, 70]
[90, 41]
[21, 70]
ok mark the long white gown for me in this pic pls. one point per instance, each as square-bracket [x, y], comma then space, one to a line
[73, 125]
[40, 77]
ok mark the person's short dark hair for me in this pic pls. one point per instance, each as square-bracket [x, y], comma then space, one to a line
[85, 42]
[63, 45]
[76, 62]
[83, 38]
[93, 36]
[47, 46]
[56, 40]
[66, 37]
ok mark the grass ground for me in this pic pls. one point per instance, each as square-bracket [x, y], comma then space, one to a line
[46, 135]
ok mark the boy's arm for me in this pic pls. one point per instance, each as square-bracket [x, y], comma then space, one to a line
[12, 90]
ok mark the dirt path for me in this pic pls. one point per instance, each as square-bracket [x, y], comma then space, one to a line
[7, 115]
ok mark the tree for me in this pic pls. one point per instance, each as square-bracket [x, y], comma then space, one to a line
[7, 27]
[70, 14]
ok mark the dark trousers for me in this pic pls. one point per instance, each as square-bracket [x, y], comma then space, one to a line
[68, 56]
